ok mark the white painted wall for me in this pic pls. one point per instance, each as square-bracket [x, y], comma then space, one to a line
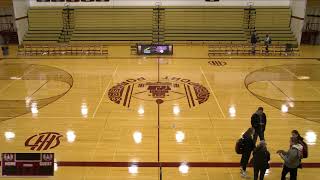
[20, 8]
[167, 3]
[298, 10]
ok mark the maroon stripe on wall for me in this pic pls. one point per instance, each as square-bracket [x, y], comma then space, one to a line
[296, 17]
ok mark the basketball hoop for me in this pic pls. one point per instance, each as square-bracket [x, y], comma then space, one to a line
[158, 3]
[250, 3]
[67, 5]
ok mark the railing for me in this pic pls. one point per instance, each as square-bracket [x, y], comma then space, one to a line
[63, 50]
[313, 27]
[7, 27]
[276, 49]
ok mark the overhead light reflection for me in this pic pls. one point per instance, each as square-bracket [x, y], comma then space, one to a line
[137, 137]
[15, 78]
[133, 169]
[180, 136]
[311, 137]
[55, 165]
[9, 135]
[284, 108]
[141, 110]
[291, 104]
[84, 110]
[28, 101]
[232, 111]
[176, 110]
[303, 77]
[71, 136]
[184, 168]
[34, 109]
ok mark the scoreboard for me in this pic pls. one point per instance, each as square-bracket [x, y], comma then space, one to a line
[154, 49]
[27, 164]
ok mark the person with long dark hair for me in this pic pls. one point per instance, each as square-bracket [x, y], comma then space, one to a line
[292, 159]
[247, 149]
[261, 158]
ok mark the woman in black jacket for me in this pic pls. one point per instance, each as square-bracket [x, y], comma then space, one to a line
[248, 147]
[261, 158]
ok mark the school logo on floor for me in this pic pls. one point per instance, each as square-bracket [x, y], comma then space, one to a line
[166, 89]
[217, 63]
[43, 141]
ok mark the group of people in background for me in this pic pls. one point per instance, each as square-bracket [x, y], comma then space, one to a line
[246, 145]
[255, 39]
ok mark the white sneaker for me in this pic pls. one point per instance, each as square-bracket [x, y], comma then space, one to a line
[241, 171]
[288, 176]
[243, 174]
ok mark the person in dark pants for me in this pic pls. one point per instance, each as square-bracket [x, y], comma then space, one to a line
[261, 158]
[292, 159]
[258, 122]
[254, 41]
[248, 147]
[2, 43]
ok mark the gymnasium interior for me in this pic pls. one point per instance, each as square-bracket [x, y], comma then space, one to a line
[155, 89]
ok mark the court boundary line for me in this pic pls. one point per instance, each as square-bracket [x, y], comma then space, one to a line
[105, 91]
[214, 96]
[171, 164]
[138, 57]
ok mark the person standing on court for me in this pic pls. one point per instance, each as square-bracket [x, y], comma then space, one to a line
[2, 43]
[261, 158]
[258, 122]
[267, 42]
[296, 134]
[254, 41]
[248, 146]
[292, 159]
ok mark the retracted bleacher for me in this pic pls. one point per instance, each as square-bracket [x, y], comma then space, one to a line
[198, 24]
[112, 25]
[45, 25]
[276, 22]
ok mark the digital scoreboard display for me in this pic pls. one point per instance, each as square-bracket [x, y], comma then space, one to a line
[27, 164]
[154, 49]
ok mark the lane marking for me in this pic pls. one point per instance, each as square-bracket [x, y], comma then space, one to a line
[213, 94]
[96, 110]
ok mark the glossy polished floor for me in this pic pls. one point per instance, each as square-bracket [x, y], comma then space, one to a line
[124, 116]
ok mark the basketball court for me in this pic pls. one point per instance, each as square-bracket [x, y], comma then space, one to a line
[151, 117]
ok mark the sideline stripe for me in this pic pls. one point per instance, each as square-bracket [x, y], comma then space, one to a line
[170, 164]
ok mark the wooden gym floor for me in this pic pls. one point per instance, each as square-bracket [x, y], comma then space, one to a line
[124, 117]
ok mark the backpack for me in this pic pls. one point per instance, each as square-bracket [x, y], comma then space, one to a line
[239, 146]
[304, 150]
[300, 153]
